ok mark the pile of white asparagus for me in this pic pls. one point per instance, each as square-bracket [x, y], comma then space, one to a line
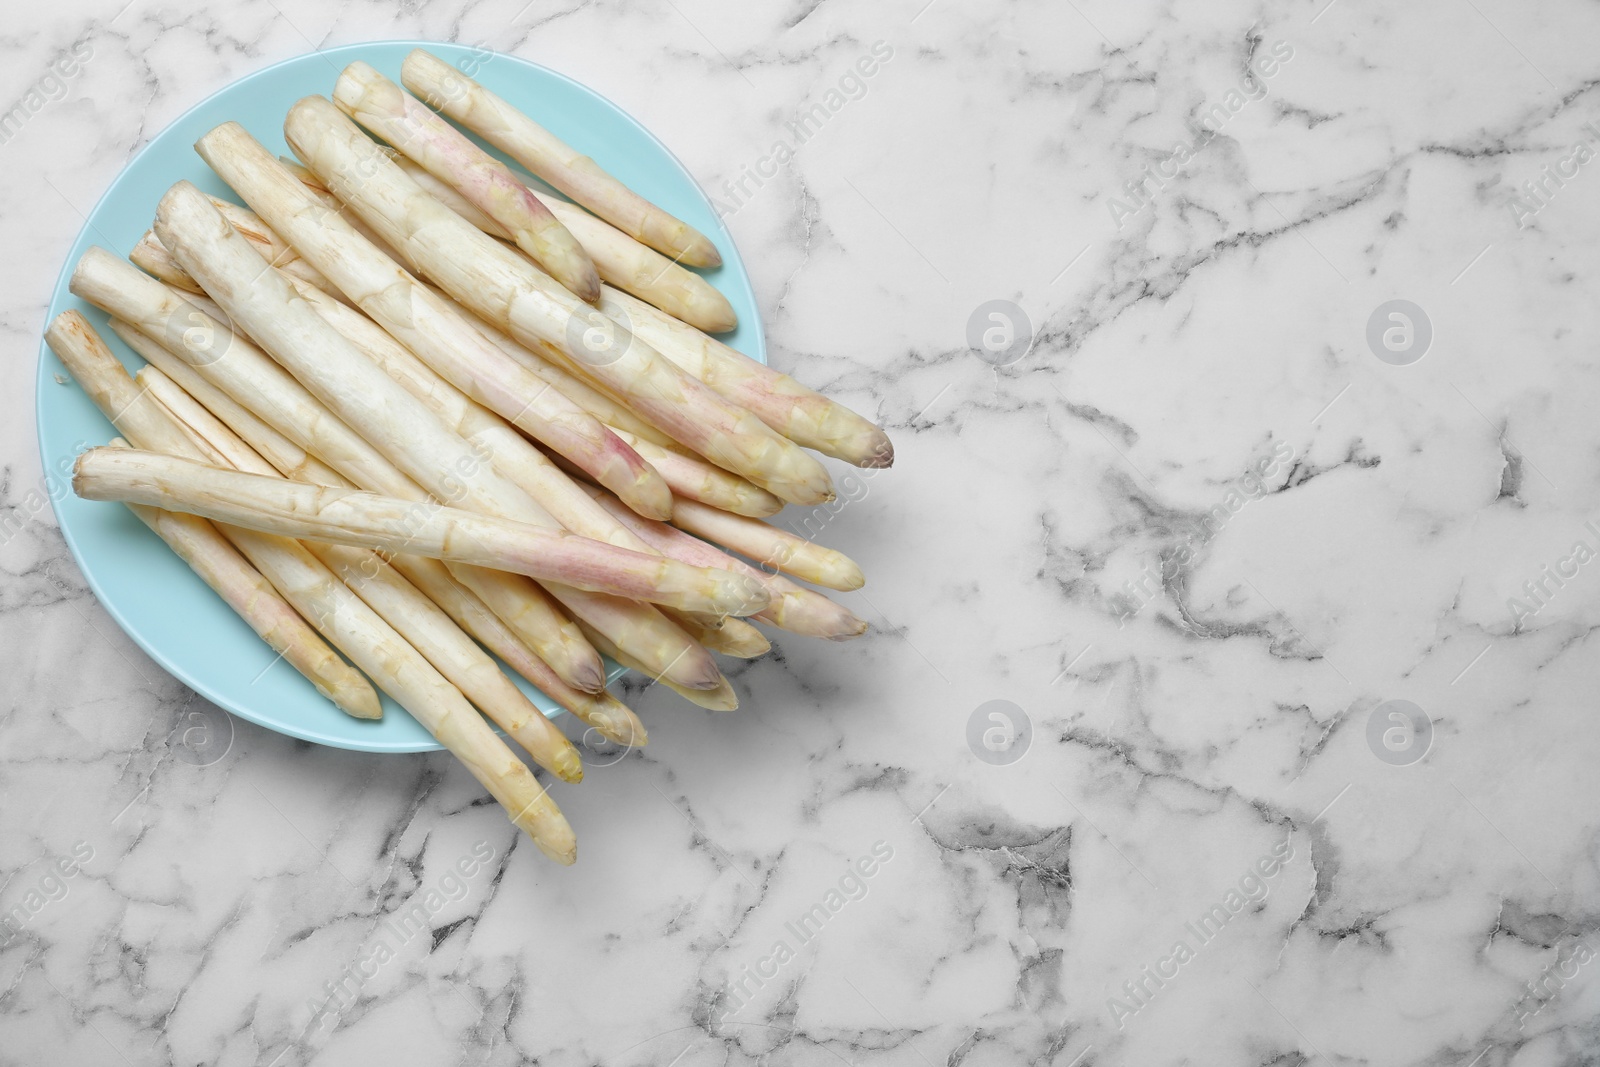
[412, 406]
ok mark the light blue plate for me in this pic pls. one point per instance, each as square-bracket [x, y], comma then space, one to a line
[161, 604]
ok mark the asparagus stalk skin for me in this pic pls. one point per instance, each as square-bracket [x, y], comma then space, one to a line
[512, 293]
[621, 261]
[432, 632]
[801, 414]
[694, 478]
[367, 520]
[427, 324]
[530, 144]
[610, 718]
[722, 698]
[234, 576]
[793, 608]
[775, 548]
[438, 147]
[286, 456]
[152, 256]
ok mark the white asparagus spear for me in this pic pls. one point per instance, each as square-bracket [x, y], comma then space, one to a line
[288, 457]
[425, 323]
[610, 718]
[542, 360]
[273, 249]
[536, 148]
[508, 290]
[339, 615]
[692, 477]
[152, 256]
[402, 427]
[732, 637]
[793, 608]
[394, 115]
[687, 474]
[367, 520]
[249, 376]
[456, 656]
[722, 698]
[239, 582]
[801, 414]
[773, 547]
[415, 617]
[621, 261]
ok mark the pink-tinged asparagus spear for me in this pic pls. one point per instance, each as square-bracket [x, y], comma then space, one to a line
[426, 324]
[508, 290]
[771, 546]
[801, 414]
[394, 115]
[367, 520]
[249, 377]
[219, 564]
[793, 608]
[621, 260]
[687, 474]
[536, 148]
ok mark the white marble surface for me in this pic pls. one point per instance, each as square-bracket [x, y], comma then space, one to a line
[1441, 911]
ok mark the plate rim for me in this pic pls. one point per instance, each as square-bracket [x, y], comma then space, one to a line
[732, 259]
